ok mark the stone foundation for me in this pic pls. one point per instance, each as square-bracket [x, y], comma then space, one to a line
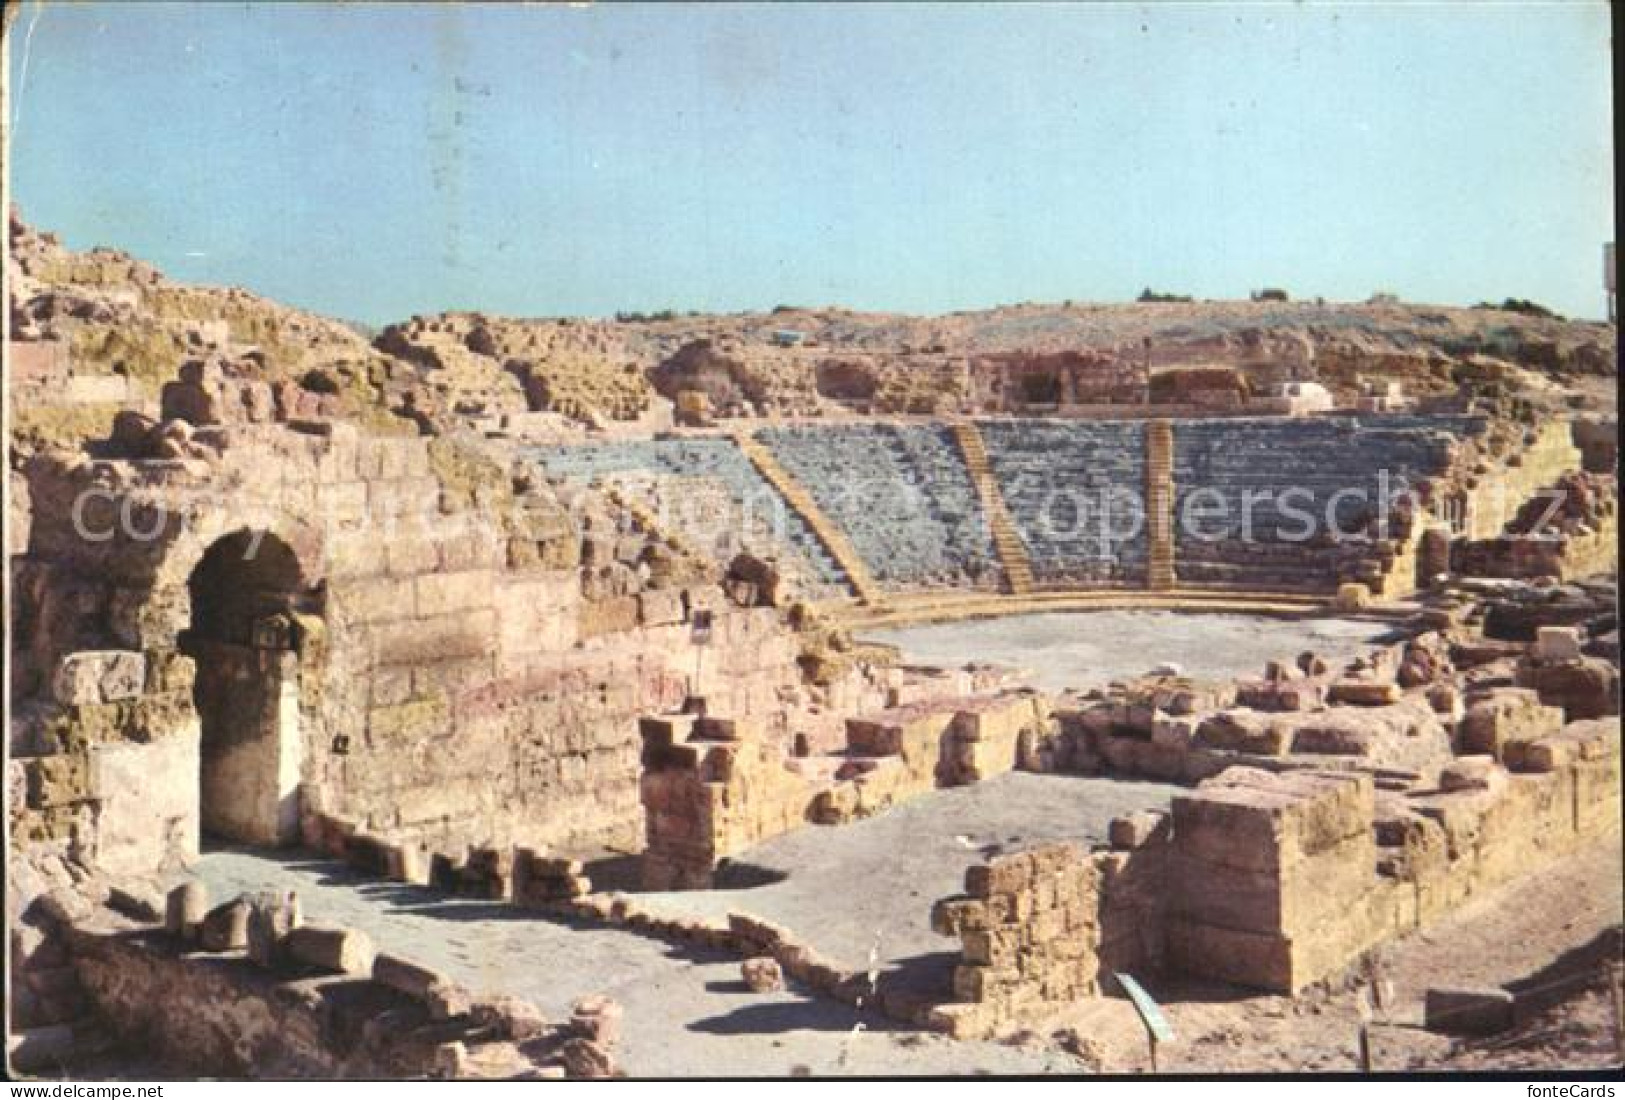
[1271, 881]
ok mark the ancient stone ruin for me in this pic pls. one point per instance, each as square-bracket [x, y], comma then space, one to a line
[551, 643]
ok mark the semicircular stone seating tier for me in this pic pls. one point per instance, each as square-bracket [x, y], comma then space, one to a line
[681, 480]
[1245, 530]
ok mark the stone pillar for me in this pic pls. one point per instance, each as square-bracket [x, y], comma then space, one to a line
[1159, 505]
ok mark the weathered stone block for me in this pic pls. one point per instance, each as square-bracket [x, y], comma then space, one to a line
[452, 593]
[1587, 687]
[1556, 644]
[1136, 830]
[510, 1018]
[660, 608]
[1258, 820]
[405, 976]
[597, 1019]
[1503, 715]
[1472, 773]
[1243, 731]
[188, 904]
[1364, 693]
[762, 975]
[225, 928]
[270, 918]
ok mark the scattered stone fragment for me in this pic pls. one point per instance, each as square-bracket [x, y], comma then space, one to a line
[188, 904]
[225, 928]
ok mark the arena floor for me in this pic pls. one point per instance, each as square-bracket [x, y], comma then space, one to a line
[1089, 649]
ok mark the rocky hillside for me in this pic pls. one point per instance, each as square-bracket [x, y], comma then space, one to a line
[825, 361]
[100, 331]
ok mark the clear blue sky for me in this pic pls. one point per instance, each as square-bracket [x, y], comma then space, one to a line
[373, 162]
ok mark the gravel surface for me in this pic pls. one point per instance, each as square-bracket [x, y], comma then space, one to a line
[861, 893]
[687, 1012]
[1088, 649]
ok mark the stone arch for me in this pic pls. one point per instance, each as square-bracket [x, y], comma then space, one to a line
[201, 532]
[846, 380]
[156, 612]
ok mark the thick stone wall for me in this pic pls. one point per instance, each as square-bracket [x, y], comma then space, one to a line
[467, 660]
[1268, 868]
[1029, 927]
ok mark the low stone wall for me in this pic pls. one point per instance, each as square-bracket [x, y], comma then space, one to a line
[1391, 711]
[109, 766]
[1562, 556]
[1491, 498]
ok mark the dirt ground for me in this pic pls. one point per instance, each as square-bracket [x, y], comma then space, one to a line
[1581, 1033]
[866, 896]
[688, 1013]
[1089, 649]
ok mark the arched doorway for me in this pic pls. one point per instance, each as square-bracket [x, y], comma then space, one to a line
[245, 637]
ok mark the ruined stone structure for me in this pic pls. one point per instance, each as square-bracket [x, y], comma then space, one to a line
[713, 788]
[1274, 881]
[317, 659]
[1020, 382]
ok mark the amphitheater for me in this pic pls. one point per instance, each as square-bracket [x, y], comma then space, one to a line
[806, 692]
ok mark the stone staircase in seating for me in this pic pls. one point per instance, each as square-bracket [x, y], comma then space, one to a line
[1159, 505]
[1012, 552]
[794, 494]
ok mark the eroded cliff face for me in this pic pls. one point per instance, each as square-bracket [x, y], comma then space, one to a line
[445, 647]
